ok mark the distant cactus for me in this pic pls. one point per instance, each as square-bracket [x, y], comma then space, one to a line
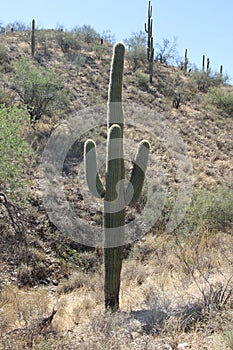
[208, 69]
[186, 61]
[150, 48]
[116, 196]
[203, 63]
[220, 71]
[33, 38]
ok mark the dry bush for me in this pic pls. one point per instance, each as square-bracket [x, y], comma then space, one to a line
[23, 316]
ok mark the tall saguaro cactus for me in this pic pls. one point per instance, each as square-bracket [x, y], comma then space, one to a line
[115, 193]
[186, 61]
[150, 45]
[33, 38]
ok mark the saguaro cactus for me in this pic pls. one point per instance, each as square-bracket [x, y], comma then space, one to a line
[115, 194]
[208, 69]
[33, 38]
[150, 48]
[186, 61]
[220, 71]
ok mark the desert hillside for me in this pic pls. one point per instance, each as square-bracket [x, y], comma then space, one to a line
[176, 287]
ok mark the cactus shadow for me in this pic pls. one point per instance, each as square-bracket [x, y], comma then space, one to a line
[155, 320]
[151, 320]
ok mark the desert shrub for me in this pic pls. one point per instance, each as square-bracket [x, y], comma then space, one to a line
[228, 336]
[222, 98]
[40, 89]
[210, 209]
[174, 86]
[79, 60]
[87, 34]
[103, 52]
[142, 79]
[4, 59]
[15, 155]
[43, 38]
[205, 80]
[68, 41]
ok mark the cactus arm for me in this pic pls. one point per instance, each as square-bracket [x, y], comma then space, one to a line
[93, 179]
[135, 185]
[115, 111]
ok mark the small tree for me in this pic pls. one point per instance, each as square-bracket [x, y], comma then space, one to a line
[136, 52]
[166, 52]
[18, 26]
[87, 34]
[41, 90]
[108, 36]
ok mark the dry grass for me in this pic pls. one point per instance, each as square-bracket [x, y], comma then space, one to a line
[172, 294]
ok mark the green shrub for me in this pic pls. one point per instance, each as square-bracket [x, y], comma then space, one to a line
[174, 85]
[205, 80]
[79, 60]
[40, 89]
[68, 41]
[136, 53]
[142, 79]
[15, 155]
[228, 335]
[221, 97]
[210, 210]
[87, 34]
[4, 60]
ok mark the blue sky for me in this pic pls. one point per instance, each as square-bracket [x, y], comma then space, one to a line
[201, 26]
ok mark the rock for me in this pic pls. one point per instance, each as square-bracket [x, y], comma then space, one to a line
[182, 346]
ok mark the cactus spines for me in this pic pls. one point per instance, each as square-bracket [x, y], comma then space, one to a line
[33, 38]
[150, 48]
[116, 196]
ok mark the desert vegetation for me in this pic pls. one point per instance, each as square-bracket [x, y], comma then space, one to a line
[177, 287]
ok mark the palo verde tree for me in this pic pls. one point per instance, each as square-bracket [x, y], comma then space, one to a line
[136, 45]
[116, 196]
[40, 89]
